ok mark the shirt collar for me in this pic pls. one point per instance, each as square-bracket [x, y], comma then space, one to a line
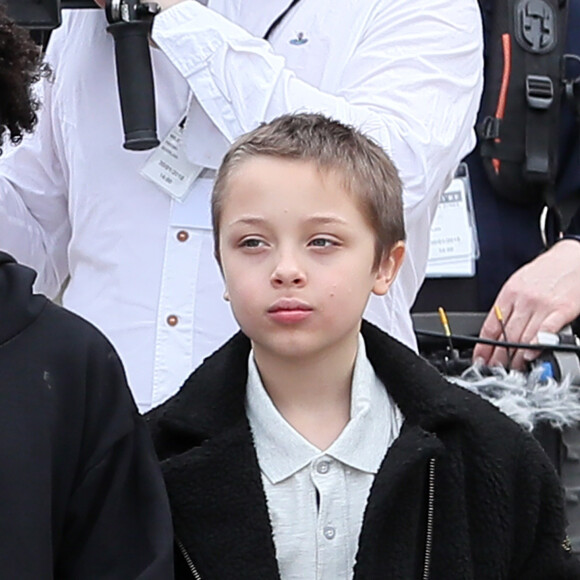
[374, 424]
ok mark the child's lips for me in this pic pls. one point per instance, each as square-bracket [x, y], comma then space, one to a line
[289, 310]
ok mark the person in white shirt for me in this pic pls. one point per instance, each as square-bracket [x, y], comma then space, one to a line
[312, 445]
[74, 203]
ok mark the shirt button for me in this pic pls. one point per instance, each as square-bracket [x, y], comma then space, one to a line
[172, 320]
[182, 236]
[323, 467]
[329, 532]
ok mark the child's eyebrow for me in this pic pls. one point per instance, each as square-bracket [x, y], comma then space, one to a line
[247, 220]
[326, 219]
[315, 219]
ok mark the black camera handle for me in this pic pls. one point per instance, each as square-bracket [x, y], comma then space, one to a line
[130, 24]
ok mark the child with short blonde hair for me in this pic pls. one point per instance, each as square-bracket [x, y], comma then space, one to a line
[313, 445]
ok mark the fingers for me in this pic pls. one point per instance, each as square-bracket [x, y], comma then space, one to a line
[553, 323]
[540, 296]
[522, 324]
[524, 330]
[491, 329]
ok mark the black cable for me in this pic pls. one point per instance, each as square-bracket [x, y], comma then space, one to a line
[524, 345]
[278, 20]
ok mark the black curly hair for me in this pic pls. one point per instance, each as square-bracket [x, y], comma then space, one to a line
[20, 67]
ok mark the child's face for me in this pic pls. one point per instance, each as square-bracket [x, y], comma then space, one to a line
[297, 257]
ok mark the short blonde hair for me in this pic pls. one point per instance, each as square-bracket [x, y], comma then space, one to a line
[368, 173]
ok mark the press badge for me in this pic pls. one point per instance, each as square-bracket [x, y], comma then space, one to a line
[453, 246]
[168, 166]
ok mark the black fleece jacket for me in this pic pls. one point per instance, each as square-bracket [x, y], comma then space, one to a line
[81, 494]
[497, 505]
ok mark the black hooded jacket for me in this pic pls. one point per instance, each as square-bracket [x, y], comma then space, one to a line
[464, 493]
[81, 495]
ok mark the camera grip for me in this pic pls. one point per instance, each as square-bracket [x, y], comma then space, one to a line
[135, 81]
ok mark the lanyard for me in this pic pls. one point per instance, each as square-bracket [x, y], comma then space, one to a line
[278, 20]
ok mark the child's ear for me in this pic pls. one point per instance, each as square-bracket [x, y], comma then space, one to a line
[388, 268]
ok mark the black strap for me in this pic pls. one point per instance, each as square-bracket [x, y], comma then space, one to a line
[539, 130]
[490, 149]
[278, 20]
[544, 45]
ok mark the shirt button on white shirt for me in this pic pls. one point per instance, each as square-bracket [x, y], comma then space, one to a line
[329, 532]
[323, 466]
[182, 236]
[172, 320]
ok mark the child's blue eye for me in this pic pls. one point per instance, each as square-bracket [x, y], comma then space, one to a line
[321, 242]
[251, 243]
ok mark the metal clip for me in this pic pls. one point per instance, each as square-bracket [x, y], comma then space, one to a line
[489, 128]
[539, 91]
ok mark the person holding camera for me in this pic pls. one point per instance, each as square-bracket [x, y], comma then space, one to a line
[131, 230]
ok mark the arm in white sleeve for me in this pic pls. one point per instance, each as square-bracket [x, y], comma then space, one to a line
[34, 223]
[412, 81]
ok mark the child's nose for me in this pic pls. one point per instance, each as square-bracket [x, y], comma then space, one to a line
[288, 272]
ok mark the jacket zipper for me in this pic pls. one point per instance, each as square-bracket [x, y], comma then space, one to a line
[430, 512]
[188, 559]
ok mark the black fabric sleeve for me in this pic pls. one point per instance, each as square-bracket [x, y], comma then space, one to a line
[118, 523]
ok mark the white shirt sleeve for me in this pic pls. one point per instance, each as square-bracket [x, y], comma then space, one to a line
[412, 81]
[34, 219]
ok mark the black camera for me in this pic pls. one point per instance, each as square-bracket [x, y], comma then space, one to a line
[41, 14]
[130, 23]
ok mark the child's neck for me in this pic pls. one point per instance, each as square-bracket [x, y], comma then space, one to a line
[311, 393]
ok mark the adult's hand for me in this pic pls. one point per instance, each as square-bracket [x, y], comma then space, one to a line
[543, 295]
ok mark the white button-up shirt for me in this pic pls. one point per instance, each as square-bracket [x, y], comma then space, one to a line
[316, 499]
[73, 201]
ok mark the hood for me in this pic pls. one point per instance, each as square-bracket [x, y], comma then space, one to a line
[19, 307]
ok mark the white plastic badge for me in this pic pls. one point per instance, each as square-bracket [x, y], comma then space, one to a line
[168, 166]
[453, 246]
